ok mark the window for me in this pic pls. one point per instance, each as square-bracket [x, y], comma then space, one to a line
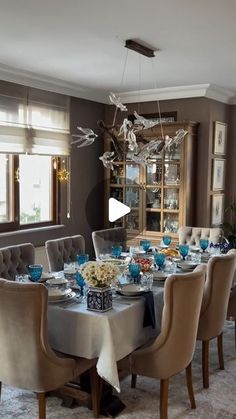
[35, 189]
[34, 143]
[28, 191]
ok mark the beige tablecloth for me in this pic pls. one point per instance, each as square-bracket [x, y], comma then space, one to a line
[108, 336]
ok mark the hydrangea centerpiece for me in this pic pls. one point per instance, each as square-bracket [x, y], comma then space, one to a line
[99, 274]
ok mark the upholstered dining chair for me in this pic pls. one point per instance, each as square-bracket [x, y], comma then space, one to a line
[104, 239]
[231, 312]
[62, 250]
[14, 260]
[219, 277]
[192, 235]
[27, 361]
[172, 351]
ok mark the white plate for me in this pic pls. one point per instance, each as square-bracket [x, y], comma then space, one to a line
[57, 294]
[131, 290]
[56, 281]
[159, 276]
[187, 265]
[67, 297]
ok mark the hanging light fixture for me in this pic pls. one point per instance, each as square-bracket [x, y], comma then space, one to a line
[136, 147]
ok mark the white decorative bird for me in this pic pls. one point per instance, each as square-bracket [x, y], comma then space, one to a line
[117, 102]
[107, 159]
[146, 123]
[85, 139]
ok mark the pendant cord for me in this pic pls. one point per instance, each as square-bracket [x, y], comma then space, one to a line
[158, 102]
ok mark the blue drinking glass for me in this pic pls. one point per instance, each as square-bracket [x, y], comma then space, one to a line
[80, 281]
[204, 244]
[166, 240]
[183, 250]
[134, 269]
[145, 244]
[159, 259]
[82, 258]
[35, 272]
[116, 250]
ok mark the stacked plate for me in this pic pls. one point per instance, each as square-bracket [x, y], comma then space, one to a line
[187, 265]
[58, 291]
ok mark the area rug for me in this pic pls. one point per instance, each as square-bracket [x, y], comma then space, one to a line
[217, 402]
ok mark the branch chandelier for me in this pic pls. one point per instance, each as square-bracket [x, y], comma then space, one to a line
[136, 147]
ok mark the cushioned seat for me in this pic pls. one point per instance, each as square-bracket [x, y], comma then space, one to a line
[103, 240]
[173, 349]
[192, 235]
[27, 361]
[219, 278]
[63, 250]
[14, 260]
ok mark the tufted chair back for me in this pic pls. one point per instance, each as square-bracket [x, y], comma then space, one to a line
[103, 240]
[65, 249]
[14, 260]
[192, 235]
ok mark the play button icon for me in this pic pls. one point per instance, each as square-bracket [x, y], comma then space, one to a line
[116, 209]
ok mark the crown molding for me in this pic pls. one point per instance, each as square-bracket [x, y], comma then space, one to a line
[51, 84]
[220, 94]
[181, 92]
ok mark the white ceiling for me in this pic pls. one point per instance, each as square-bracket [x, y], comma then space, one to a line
[77, 46]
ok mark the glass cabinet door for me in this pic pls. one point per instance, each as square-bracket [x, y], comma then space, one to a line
[132, 196]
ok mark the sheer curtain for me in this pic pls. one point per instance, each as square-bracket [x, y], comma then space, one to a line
[33, 121]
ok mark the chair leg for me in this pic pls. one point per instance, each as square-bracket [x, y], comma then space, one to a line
[220, 351]
[133, 380]
[205, 361]
[0, 389]
[164, 388]
[235, 332]
[42, 405]
[96, 391]
[190, 386]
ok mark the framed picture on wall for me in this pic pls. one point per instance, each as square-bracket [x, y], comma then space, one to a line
[218, 174]
[217, 209]
[220, 132]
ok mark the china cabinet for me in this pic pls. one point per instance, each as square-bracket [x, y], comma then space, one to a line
[161, 195]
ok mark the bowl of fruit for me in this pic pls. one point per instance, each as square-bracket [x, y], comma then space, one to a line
[145, 263]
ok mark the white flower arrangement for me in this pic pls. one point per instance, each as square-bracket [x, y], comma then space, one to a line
[99, 274]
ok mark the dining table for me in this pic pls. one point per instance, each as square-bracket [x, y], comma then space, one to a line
[108, 336]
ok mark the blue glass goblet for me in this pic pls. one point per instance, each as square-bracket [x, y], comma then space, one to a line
[166, 240]
[204, 244]
[82, 258]
[134, 269]
[183, 250]
[159, 259]
[145, 244]
[116, 250]
[80, 281]
[35, 272]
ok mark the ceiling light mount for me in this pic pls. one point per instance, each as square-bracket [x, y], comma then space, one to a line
[139, 48]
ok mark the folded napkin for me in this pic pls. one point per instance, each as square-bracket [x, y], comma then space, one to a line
[149, 311]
